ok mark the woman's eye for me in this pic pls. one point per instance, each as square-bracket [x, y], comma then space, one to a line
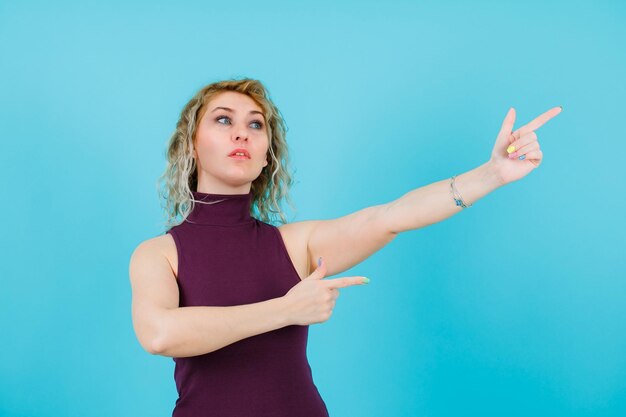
[256, 122]
[220, 118]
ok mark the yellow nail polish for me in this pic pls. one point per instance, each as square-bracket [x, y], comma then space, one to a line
[510, 149]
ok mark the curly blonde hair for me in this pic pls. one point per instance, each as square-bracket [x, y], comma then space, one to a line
[181, 175]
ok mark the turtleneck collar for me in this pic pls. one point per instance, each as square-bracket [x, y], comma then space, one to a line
[220, 209]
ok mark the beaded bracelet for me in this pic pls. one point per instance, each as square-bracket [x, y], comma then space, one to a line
[456, 195]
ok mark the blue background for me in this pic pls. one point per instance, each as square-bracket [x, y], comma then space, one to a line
[514, 307]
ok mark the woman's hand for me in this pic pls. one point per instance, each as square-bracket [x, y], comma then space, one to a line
[312, 300]
[517, 153]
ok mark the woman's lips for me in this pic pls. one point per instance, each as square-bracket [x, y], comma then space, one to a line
[239, 157]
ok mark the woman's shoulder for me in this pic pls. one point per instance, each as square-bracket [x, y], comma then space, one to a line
[162, 245]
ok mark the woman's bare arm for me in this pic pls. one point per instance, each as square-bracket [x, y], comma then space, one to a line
[191, 331]
[433, 203]
[164, 328]
[347, 241]
[514, 155]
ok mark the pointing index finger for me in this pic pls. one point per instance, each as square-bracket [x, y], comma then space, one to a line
[345, 281]
[538, 122]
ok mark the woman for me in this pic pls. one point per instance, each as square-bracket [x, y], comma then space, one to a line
[229, 296]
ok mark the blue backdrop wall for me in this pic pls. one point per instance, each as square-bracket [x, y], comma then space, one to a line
[512, 307]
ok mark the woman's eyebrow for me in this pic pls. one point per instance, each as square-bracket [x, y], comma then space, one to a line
[231, 110]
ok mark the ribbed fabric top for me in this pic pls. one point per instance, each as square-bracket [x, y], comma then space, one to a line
[221, 209]
[226, 257]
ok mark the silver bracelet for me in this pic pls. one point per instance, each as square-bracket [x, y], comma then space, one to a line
[456, 195]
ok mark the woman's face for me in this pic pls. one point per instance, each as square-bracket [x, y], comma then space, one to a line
[232, 120]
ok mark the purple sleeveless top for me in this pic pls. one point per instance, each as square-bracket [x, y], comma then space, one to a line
[226, 257]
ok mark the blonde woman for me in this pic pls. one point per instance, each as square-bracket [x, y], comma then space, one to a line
[228, 295]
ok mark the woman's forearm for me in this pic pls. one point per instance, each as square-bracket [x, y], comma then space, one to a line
[192, 331]
[434, 202]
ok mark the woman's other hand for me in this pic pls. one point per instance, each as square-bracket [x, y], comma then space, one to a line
[312, 300]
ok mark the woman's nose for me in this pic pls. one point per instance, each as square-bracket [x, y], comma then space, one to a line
[240, 134]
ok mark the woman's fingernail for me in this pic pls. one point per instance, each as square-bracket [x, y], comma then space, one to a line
[366, 280]
[319, 261]
[510, 149]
